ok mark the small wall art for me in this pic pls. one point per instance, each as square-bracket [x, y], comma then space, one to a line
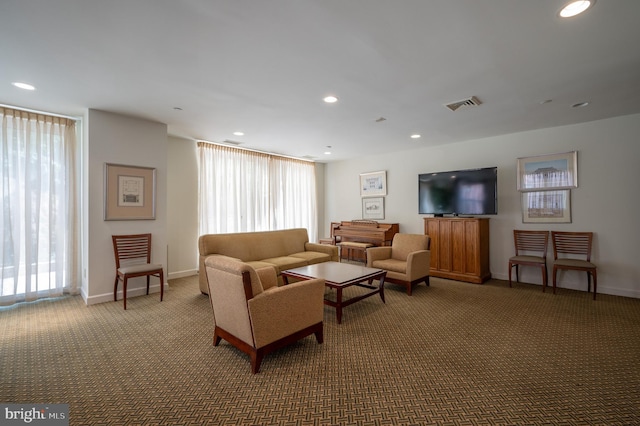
[373, 184]
[373, 208]
[129, 192]
[554, 171]
[546, 206]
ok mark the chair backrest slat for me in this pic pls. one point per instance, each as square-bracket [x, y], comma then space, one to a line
[132, 247]
[537, 241]
[576, 243]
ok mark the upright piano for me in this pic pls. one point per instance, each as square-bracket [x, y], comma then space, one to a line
[364, 231]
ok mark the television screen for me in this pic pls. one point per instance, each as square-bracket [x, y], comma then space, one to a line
[461, 192]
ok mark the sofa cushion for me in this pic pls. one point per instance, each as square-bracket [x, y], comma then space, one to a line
[312, 257]
[259, 264]
[285, 262]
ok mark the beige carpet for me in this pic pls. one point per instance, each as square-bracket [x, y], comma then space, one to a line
[451, 354]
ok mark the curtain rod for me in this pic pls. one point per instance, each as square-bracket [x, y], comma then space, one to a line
[233, 145]
[35, 111]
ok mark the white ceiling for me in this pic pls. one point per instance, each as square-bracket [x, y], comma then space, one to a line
[263, 67]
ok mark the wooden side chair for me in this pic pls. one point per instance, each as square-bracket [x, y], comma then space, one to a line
[133, 259]
[531, 250]
[572, 250]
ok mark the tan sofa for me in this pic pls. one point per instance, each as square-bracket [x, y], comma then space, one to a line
[284, 249]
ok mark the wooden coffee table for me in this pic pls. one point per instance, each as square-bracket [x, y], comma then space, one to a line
[339, 276]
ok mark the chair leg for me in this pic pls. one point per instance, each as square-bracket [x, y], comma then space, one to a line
[115, 290]
[124, 292]
[510, 268]
[595, 283]
[148, 277]
[555, 270]
[161, 285]
[544, 277]
[256, 359]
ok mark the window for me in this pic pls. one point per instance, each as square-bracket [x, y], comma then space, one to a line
[244, 191]
[39, 206]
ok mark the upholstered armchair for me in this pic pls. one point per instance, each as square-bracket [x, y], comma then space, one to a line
[406, 261]
[255, 315]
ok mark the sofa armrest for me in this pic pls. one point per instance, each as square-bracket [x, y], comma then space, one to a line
[418, 264]
[282, 311]
[323, 248]
[377, 253]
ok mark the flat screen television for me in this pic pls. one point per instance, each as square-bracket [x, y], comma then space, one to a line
[460, 192]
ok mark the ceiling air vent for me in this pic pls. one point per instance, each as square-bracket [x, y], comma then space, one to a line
[472, 101]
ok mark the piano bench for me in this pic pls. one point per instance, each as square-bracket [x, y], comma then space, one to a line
[349, 251]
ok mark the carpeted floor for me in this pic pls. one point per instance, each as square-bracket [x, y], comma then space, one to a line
[451, 354]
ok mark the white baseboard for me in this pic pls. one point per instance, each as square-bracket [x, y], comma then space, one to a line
[182, 274]
[580, 285]
[131, 292]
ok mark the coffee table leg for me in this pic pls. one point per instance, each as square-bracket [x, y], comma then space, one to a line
[382, 287]
[339, 304]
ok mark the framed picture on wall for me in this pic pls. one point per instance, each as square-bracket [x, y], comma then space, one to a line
[546, 206]
[129, 192]
[554, 171]
[373, 184]
[373, 208]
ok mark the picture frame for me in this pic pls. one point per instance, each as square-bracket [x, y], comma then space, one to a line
[546, 172]
[373, 208]
[546, 206]
[129, 192]
[373, 184]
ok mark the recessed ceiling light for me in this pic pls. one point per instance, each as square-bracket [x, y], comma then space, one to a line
[575, 8]
[415, 136]
[24, 86]
[330, 99]
[327, 153]
[580, 105]
[238, 133]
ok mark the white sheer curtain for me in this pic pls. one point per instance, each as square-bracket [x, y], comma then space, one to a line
[243, 191]
[38, 184]
[293, 195]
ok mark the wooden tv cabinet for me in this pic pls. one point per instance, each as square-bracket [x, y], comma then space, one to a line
[459, 248]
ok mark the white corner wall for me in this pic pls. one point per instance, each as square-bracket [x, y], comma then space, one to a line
[606, 201]
[113, 138]
[182, 208]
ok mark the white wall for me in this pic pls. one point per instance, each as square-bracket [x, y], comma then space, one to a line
[606, 201]
[113, 138]
[182, 208]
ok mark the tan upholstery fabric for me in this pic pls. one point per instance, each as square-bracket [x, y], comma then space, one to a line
[284, 310]
[284, 249]
[404, 244]
[226, 297]
[286, 262]
[268, 316]
[407, 261]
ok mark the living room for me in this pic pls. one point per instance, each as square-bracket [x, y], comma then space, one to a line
[602, 133]
[145, 91]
